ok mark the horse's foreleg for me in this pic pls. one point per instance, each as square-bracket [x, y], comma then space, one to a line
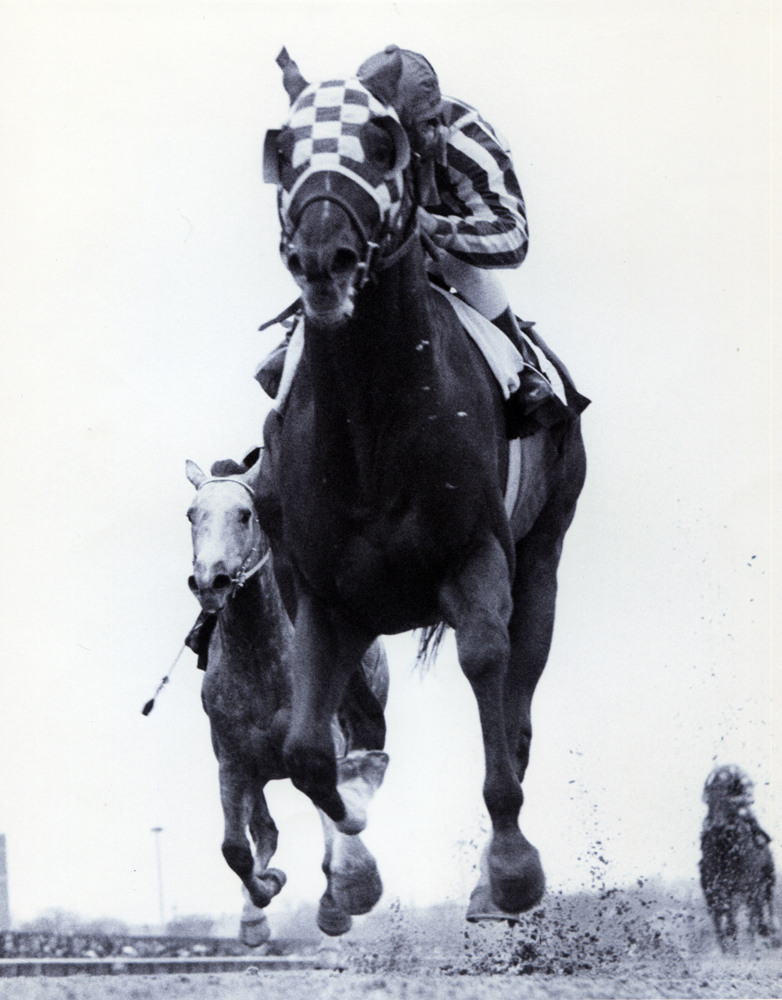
[236, 803]
[531, 629]
[477, 604]
[325, 654]
[265, 882]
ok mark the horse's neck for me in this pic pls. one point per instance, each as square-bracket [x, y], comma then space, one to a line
[255, 633]
[364, 374]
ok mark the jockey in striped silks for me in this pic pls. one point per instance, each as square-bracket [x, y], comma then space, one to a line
[472, 208]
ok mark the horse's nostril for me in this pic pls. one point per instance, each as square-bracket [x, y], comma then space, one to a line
[221, 582]
[344, 261]
[191, 582]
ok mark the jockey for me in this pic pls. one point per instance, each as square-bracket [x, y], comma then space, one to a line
[471, 206]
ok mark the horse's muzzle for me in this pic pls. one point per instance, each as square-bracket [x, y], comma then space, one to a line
[212, 596]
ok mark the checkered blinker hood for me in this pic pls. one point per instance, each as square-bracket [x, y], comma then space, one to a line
[337, 127]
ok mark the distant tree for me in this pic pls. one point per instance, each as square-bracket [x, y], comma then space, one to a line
[104, 925]
[194, 925]
[53, 922]
[65, 922]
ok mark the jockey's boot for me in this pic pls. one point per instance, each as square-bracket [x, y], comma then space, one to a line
[269, 371]
[534, 404]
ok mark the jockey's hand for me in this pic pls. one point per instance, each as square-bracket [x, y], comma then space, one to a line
[426, 221]
[427, 224]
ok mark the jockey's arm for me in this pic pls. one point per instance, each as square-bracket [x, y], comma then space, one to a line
[486, 225]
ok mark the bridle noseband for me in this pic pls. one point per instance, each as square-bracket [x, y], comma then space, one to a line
[379, 253]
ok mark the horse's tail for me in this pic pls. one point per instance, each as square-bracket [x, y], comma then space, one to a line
[429, 643]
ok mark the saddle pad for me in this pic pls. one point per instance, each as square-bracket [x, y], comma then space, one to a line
[291, 363]
[500, 354]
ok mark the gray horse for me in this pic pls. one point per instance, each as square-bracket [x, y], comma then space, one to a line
[246, 692]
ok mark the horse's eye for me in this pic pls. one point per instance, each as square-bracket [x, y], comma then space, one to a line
[244, 516]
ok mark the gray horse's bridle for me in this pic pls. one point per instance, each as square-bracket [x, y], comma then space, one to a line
[243, 574]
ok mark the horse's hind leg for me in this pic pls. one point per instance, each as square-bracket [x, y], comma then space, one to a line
[477, 605]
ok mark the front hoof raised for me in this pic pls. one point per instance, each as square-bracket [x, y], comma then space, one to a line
[315, 774]
[359, 775]
[515, 873]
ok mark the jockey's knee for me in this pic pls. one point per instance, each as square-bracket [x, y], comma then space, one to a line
[481, 287]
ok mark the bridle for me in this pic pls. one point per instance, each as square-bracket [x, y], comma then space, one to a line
[245, 571]
[379, 252]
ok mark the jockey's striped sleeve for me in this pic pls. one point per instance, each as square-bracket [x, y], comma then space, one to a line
[481, 218]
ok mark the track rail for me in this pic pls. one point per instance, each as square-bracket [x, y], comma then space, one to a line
[122, 965]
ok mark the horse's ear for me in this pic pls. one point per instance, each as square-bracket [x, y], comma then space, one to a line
[194, 474]
[292, 79]
[380, 74]
[385, 141]
[250, 478]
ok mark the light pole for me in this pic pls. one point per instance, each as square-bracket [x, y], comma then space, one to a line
[157, 830]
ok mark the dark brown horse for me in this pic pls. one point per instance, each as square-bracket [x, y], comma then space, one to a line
[246, 693]
[383, 483]
[736, 866]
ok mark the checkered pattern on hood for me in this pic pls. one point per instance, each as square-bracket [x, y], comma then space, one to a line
[326, 121]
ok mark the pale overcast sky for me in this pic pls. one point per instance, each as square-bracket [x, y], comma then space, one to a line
[139, 254]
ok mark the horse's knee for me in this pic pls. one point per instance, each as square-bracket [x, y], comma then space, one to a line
[313, 770]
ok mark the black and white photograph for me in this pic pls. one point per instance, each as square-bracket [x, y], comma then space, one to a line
[387, 445]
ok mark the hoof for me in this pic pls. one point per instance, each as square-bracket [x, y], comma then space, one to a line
[517, 894]
[329, 957]
[359, 775]
[481, 907]
[254, 932]
[332, 919]
[263, 888]
[514, 873]
[356, 891]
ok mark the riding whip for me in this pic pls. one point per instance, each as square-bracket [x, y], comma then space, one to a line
[151, 703]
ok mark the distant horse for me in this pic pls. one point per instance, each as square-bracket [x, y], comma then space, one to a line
[736, 866]
[384, 476]
[246, 693]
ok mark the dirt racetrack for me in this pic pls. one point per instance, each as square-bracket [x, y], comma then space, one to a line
[706, 978]
[642, 942]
